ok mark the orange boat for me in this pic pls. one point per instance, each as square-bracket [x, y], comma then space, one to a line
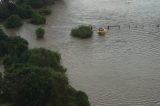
[101, 31]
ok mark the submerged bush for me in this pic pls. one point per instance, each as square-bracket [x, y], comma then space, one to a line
[82, 32]
[38, 19]
[44, 12]
[40, 33]
[13, 21]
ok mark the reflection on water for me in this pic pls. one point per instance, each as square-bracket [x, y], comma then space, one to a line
[121, 69]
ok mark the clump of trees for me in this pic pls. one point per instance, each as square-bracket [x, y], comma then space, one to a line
[35, 77]
[40, 33]
[13, 21]
[82, 31]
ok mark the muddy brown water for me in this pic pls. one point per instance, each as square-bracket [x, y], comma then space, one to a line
[120, 69]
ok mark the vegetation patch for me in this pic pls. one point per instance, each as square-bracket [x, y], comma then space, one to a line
[82, 32]
[40, 33]
[13, 21]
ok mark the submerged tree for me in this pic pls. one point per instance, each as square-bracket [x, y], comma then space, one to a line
[82, 31]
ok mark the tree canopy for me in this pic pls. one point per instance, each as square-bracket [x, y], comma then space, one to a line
[36, 77]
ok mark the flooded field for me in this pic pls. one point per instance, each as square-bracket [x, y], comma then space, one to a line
[120, 69]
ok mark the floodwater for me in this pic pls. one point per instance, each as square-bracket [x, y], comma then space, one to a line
[120, 69]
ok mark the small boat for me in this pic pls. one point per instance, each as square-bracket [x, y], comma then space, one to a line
[101, 31]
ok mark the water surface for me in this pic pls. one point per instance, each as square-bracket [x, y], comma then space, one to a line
[120, 69]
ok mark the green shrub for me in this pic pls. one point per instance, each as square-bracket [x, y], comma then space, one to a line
[40, 33]
[38, 19]
[44, 12]
[13, 21]
[82, 32]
